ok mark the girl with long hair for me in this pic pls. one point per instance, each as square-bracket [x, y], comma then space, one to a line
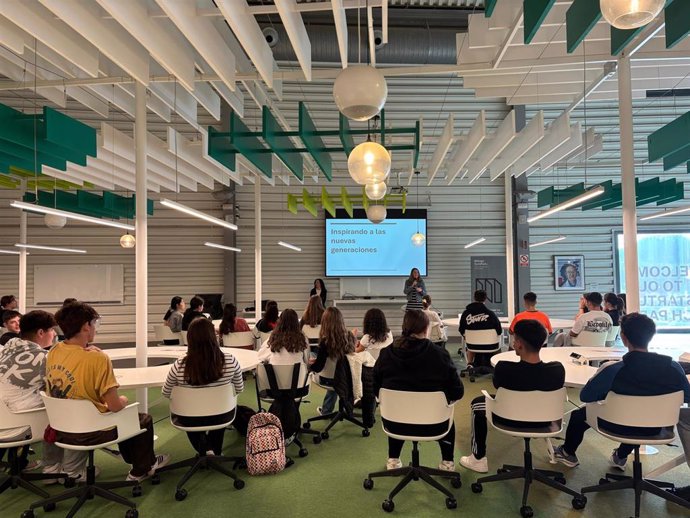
[377, 335]
[614, 307]
[313, 312]
[173, 317]
[414, 290]
[270, 319]
[287, 344]
[231, 323]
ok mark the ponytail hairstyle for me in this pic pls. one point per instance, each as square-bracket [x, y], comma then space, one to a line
[174, 302]
[615, 301]
[415, 322]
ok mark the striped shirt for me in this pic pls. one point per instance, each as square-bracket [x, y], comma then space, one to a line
[232, 373]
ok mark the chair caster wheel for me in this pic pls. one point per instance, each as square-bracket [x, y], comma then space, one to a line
[132, 513]
[560, 480]
[29, 513]
[155, 479]
[180, 494]
[303, 452]
[49, 507]
[603, 481]
[136, 490]
[456, 482]
[317, 439]
[579, 502]
[368, 484]
[324, 435]
[388, 506]
[307, 425]
[451, 503]
[366, 432]
[462, 374]
[472, 380]
[238, 484]
[526, 511]
[477, 487]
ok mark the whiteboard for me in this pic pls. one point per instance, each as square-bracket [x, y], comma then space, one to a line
[93, 283]
[372, 286]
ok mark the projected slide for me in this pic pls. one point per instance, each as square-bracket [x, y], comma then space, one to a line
[358, 248]
[664, 269]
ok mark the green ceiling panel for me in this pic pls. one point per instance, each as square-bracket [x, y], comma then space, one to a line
[489, 6]
[535, 12]
[677, 158]
[249, 145]
[220, 149]
[345, 135]
[346, 202]
[309, 203]
[313, 142]
[677, 16]
[327, 202]
[621, 37]
[669, 139]
[274, 135]
[292, 203]
[8, 182]
[581, 17]
[601, 199]
[672, 192]
[110, 205]
[69, 134]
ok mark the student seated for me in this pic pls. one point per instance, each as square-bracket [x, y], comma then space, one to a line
[194, 311]
[614, 307]
[270, 319]
[437, 329]
[204, 365]
[7, 302]
[594, 321]
[415, 364]
[478, 317]
[10, 321]
[531, 312]
[173, 317]
[639, 373]
[312, 313]
[376, 333]
[76, 370]
[287, 344]
[231, 323]
[530, 373]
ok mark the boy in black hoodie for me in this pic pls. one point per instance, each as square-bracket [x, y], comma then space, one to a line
[477, 316]
[414, 363]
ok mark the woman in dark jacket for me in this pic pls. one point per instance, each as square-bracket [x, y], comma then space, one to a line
[415, 364]
[320, 290]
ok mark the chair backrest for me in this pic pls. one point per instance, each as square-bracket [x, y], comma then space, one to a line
[613, 333]
[534, 406]
[163, 332]
[203, 401]
[183, 334]
[589, 339]
[422, 408]
[216, 323]
[482, 337]
[244, 339]
[37, 420]
[327, 372]
[312, 333]
[283, 375]
[641, 411]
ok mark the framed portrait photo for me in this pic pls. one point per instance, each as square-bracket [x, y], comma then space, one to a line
[569, 272]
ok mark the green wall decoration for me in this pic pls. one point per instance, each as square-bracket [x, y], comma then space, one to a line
[669, 140]
[329, 202]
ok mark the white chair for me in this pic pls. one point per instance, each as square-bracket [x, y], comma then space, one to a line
[480, 341]
[530, 415]
[35, 422]
[589, 339]
[288, 378]
[241, 340]
[312, 333]
[184, 341]
[163, 333]
[417, 417]
[191, 408]
[82, 416]
[657, 413]
[612, 336]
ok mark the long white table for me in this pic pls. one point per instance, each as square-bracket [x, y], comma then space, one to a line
[556, 323]
[142, 377]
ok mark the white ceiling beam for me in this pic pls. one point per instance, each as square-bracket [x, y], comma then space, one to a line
[117, 173]
[340, 29]
[551, 147]
[574, 141]
[15, 68]
[233, 175]
[370, 30]
[234, 99]
[128, 167]
[177, 99]
[159, 150]
[500, 139]
[308, 7]
[71, 176]
[467, 147]
[445, 141]
[89, 99]
[153, 103]
[13, 37]
[95, 174]
[185, 150]
[297, 33]
[479, 35]
[505, 45]
[531, 135]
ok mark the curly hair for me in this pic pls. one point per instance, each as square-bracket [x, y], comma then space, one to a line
[375, 325]
[287, 334]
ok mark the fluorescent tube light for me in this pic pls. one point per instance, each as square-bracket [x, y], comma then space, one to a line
[291, 247]
[31, 207]
[52, 248]
[222, 247]
[475, 242]
[197, 214]
[577, 200]
[13, 252]
[552, 240]
[663, 213]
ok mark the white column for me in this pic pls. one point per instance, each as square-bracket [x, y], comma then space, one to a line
[141, 249]
[510, 245]
[632, 279]
[23, 222]
[257, 248]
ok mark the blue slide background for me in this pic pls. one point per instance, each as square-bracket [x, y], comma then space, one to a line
[391, 252]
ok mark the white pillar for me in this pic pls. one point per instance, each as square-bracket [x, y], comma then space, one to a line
[21, 295]
[141, 249]
[510, 245]
[632, 279]
[257, 248]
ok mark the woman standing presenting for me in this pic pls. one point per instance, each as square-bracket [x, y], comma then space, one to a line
[415, 290]
[320, 290]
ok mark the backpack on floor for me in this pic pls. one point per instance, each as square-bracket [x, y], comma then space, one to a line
[265, 445]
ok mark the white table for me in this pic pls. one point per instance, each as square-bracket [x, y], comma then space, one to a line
[556, 323]
[141, 377]
[575, 375]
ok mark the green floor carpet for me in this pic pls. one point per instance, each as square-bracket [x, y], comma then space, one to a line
[328, 482]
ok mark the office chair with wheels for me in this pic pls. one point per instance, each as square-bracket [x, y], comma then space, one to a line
[241, 340]
[613, 335]
[417, 417]
[589, 339]
[659, 414]
[163, 333]
[480, 341]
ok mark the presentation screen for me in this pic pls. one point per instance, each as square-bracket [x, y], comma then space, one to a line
[356, 247]
[664, 270]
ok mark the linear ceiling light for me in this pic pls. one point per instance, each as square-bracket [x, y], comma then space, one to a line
[291, 247]
[475, 242]
[587, 195]
[552, 240]
[663, 213]
[52, 248]
[197, 214]
[31, 207]
[13, 252]
[222, 247]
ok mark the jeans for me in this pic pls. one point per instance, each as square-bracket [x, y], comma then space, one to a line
[576, 433]
[329, 401]
[57, 460]
[446, 443]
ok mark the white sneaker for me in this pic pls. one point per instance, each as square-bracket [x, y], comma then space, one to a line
[478, 465]
[393, 464]
[79, 477]
[210, 453]
[447, 465]
[161, 460]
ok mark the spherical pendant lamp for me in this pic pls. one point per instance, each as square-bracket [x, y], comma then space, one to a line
[376, 213]
[360, 92]
[630, 14]
[369, 162]
[418, 239]
[54, 221]
[127, 241]
[376, 191]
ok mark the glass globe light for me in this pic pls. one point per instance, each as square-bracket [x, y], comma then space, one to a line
[54, 221]
[376, 213]
[360, 92]
[630, 14]
[369, 162]
[376, 191]
[127, 241]
[418, 239]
